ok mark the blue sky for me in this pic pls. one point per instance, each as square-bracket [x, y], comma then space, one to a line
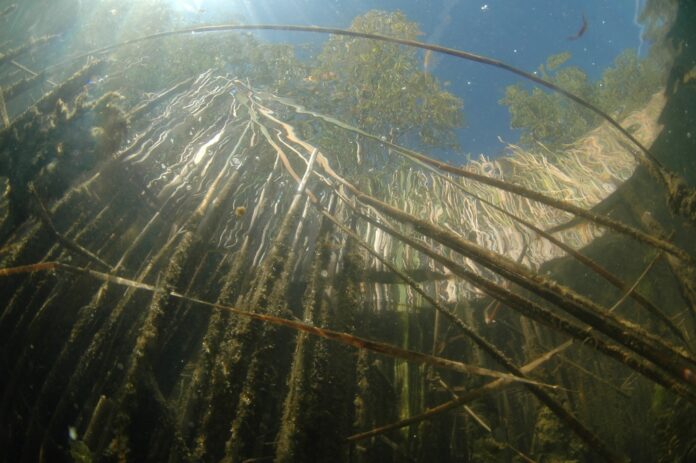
[520, 32]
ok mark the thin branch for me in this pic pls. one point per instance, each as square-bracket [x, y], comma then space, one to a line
[566, 417]
[680, 194]
[31, 73]
[678, 379]
[341, 337]
[366, 35]
[462, 399]
[428, 162]
[34, 43]
[3, 110]
[419, 159]
[71, 245]
[651, 347]
[633, 287]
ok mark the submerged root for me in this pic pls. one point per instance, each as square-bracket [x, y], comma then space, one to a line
[218, 196]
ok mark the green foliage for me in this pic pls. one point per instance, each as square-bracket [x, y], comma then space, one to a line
[554, 61]
[547, 116]
[553, 119]
[381, 87]
[154, 65]
[628, 84]
[162, 63]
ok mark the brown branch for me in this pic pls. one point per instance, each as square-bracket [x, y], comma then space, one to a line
[555, 203]
[21, 85]
[338, 336]
[633, 287]
[3, 110]
[35, 43]
[654, 348]
[484, 425]
[678, 381]
[682, 198]
[71, 245]
[430, 163]
[419, 159]
[367, 35]
[569, 419]
[32, 73]
[462, 399]
[47, 102]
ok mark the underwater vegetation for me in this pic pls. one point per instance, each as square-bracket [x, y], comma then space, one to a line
[257, 260]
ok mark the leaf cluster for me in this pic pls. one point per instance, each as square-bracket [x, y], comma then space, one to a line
[382, 88]
[554, 120]
[154, 65]
[379, 87]
[159, 65]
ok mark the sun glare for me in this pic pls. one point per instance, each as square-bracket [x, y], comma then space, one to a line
[189, 6]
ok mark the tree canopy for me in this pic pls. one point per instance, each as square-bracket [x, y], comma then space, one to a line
[379, 87]
[382, 87]
[554, 120]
